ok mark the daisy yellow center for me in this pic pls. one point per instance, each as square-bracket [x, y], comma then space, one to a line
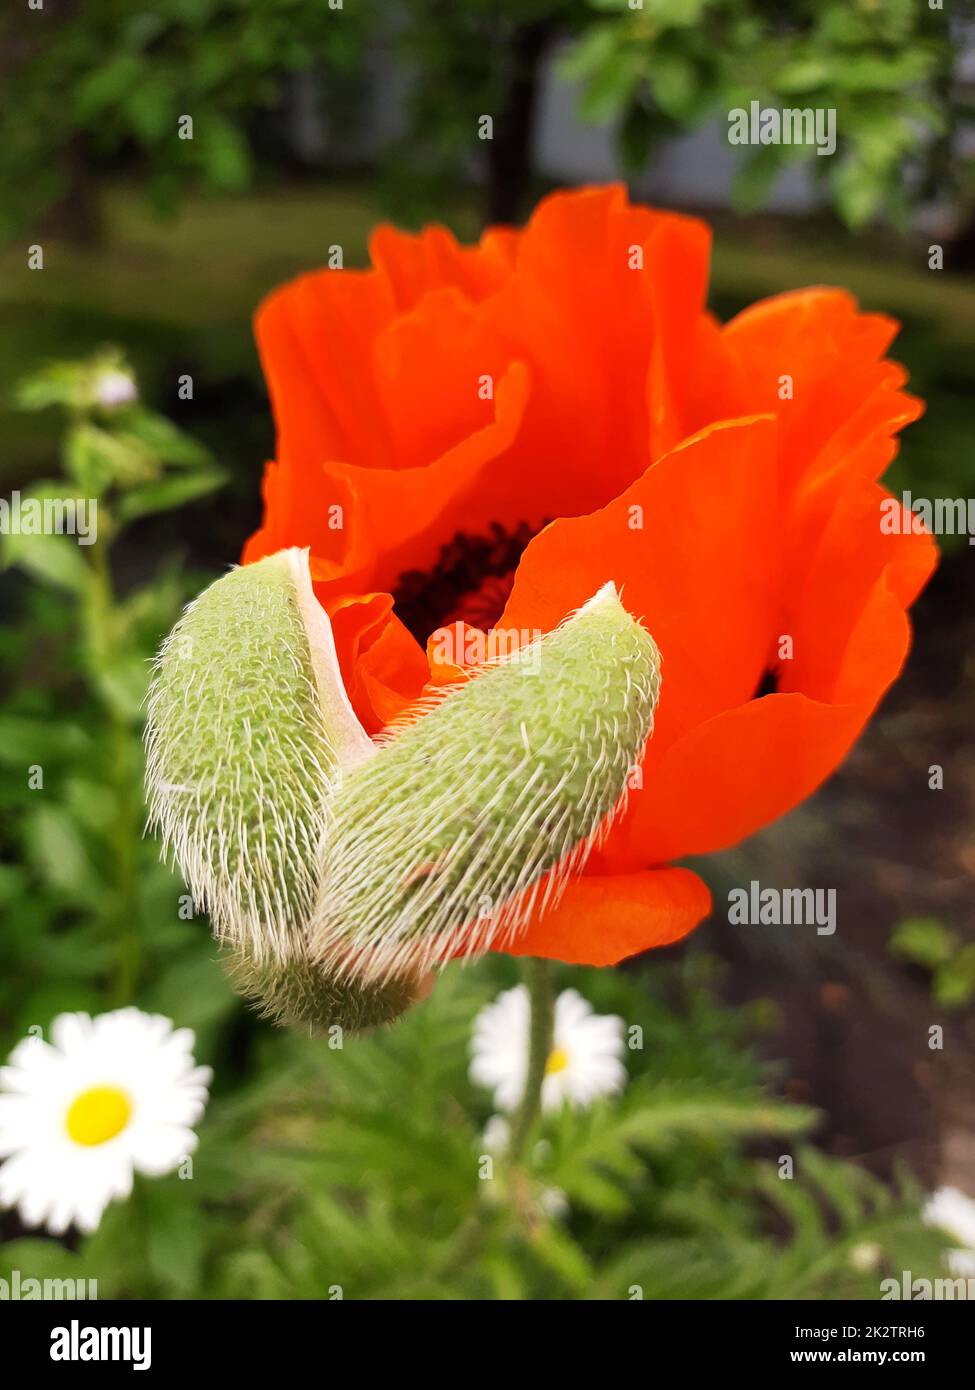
[558, 1060]
[97, 1115]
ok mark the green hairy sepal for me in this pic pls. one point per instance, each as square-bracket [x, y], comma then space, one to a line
[299, 994]
[248, 729]
[337, 871]
[473, 816]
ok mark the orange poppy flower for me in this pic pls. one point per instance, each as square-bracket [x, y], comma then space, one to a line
[488, 434]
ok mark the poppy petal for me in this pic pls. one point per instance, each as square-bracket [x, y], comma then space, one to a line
[738, 771]
[409, 513]
[602, 920]
[315, 338]
[815, 360]
[413, 266]
[693, 547]
[382, 665]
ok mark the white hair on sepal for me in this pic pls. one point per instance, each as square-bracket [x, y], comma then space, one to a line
[493, 791]
[248, 729]
[337, 870]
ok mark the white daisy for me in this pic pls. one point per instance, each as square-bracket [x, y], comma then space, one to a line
[953, 1212]
[107, 1097]
[497, 1135]
[584, 1063]
[962, 1263]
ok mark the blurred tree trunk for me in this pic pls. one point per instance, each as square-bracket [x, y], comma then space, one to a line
[961, 251]
[509, 154]
[76, 215]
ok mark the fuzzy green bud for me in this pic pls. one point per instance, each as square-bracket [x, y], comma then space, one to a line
[337, 871]
[248, 729]
[473, 816]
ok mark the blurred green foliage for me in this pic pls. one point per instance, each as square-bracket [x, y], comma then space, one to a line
[359, 1170]
[928, 943]
[662, 66]
[126, 78]
[80, 878]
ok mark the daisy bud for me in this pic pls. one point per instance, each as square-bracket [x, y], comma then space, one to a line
[248, 727]
[113, 388]
[473, 816]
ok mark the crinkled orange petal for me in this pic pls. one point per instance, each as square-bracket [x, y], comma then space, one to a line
[677, 259]
[436, 369]
[602, 920]
[593, 297]
[452, 651]
[853, 561]
[731, 775]
[743, 768]
[392, 674]
[327, 519]
[409, 513]
[315, 337]
[693, 547]
[382, 665]
[415, 265]
[833, 356]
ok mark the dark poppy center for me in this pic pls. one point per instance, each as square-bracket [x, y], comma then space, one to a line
[468, 582]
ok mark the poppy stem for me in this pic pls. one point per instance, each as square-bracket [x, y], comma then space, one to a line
[538, 978]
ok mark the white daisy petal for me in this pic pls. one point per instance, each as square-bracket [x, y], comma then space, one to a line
[962, 1263]
[497, 1135]
[954, 1212]
[107, 1097]
[585, 1062]
[71, 1032]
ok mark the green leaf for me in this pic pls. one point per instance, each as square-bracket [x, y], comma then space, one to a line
[60, 855]
[56, 383]
[224, 152]
[924, 941]
[858, 193]
[954, 983]
[122, 680]
[883, 72]
[169, 493]
[194, 987]
[611, 87]
[677, 14]
[12, 879]
[50, 559]
[24, 741]
[150, 109]
[563, 1256]
[125, 456]
[175, 1240]
[164, 440]
[39, 1259]
[84, 460]
[107, 85]
[588, 55]
[636, 138]
[804, 75]
[676, 84]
